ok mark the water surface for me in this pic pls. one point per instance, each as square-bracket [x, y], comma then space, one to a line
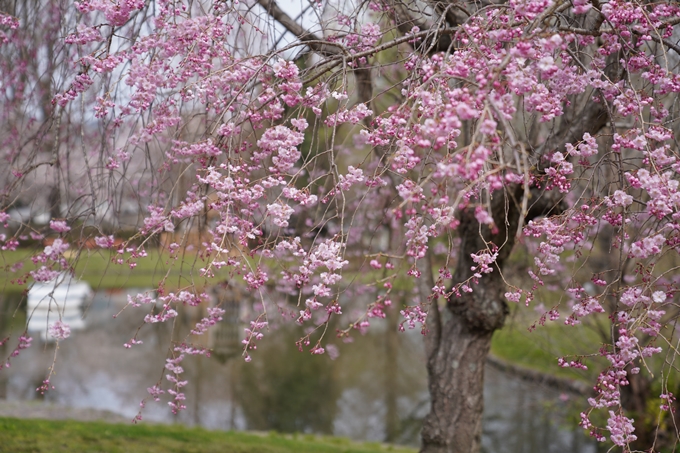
[374, 390]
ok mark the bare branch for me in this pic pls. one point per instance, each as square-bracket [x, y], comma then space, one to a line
[599, 32]
[335, 60]
[309, 38]
[406, 21]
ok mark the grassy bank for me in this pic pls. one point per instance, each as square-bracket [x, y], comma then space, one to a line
[540, 349]
[43, 436]
[96, 268]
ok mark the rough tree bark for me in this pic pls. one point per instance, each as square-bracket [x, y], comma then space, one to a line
[458, 348]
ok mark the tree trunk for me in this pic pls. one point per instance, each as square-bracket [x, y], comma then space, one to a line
[459, 341]
[456, 384]
[457, 350]
[456, 371]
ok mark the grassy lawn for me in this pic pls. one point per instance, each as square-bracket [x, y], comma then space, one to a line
[96, 268]
[540, 349]
[43, 436]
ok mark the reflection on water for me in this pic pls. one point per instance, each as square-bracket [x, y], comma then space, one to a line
[521, 417]
[62, 299]
[374, 390]
[288, 392]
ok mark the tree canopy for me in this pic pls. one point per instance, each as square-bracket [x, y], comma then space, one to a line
[314, 151]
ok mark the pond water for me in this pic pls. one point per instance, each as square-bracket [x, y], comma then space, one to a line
[375, 389]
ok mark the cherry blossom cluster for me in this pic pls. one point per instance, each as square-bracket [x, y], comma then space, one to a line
[252, 335]
[413, 316]
[24, 343]
[173, 365]
[7, 21]
[59, 330]
[165, 314]
[214, 316]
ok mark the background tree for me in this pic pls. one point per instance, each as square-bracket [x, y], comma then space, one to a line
[296, 143]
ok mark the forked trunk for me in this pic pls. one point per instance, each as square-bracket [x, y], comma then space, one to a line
[460, 337]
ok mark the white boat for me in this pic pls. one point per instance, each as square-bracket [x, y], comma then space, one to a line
[61, 299]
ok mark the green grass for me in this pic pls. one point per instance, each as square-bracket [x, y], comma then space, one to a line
[518, 347]
[96, 268]
[540, 349]
[43, 436]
